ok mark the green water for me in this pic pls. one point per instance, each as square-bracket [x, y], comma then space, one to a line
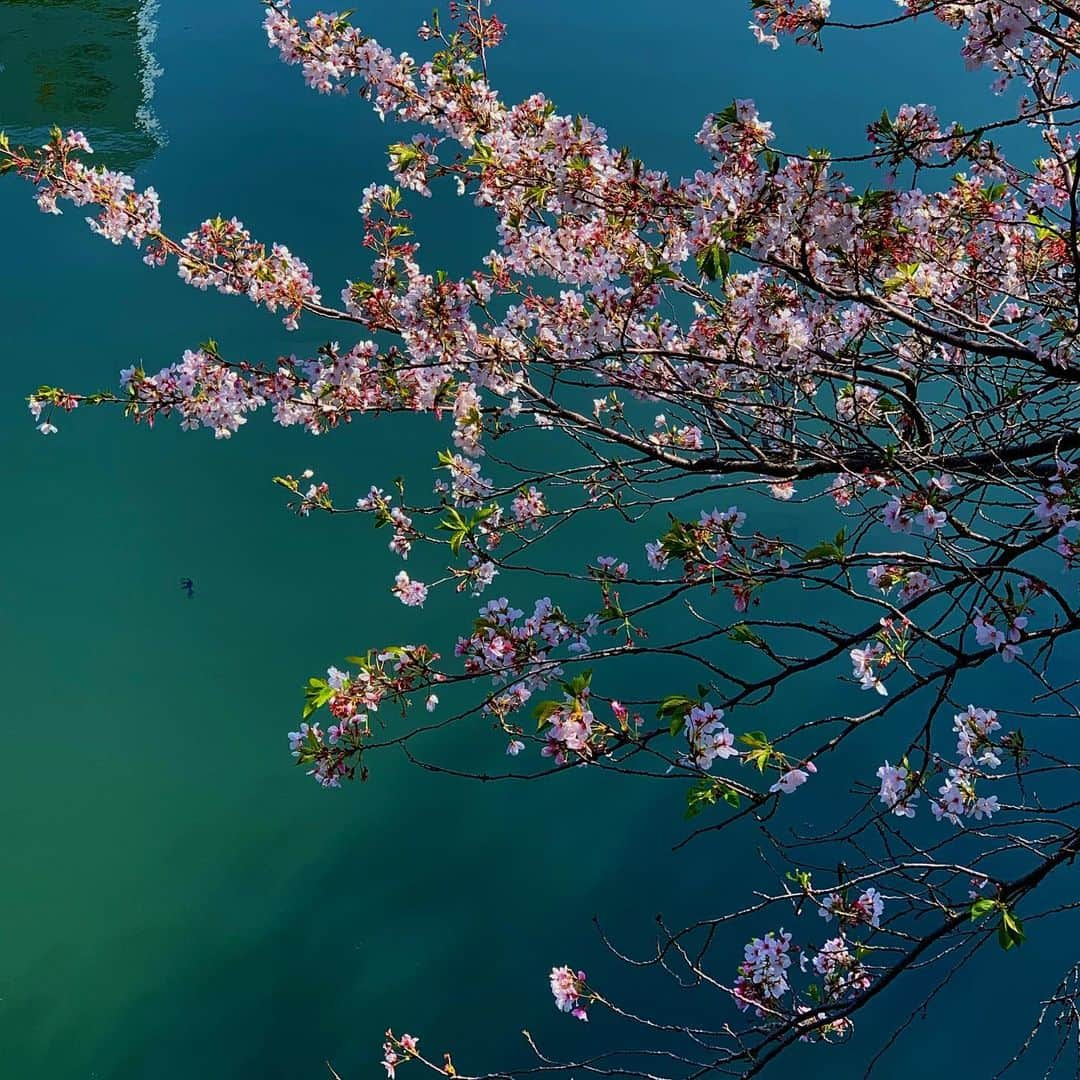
[177, 901]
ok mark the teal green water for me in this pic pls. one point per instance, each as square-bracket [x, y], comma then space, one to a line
[177, 901]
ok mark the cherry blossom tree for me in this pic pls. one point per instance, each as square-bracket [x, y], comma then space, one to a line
[897, 365]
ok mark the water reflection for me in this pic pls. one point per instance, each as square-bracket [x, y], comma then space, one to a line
[85, 64]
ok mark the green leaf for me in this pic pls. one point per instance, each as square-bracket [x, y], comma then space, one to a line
[745, 636]
[678, 542]
[663, 272]
[403, 154]
[761, 750]
[578, 684]
[727, 116]
[457, 526]
[713, 262]
[454, 521]
[317, 693]
[1011, 931]
[754, 739]
[760, 758]
[872, 199]
[675, 704]
[674, 709]
[702, 794]
[708, 792]
[800, 877]
[904, 273]
[981, 908]
[543, 711]
[828, 550]
[537, 196]
[481, 155]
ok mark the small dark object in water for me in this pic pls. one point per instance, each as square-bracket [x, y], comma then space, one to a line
[188, 587]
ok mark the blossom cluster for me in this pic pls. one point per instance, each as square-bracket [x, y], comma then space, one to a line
[763, 974]
[568, 989]
[507, 645]
[702, 546]
[867, 907]
[977, 754]
[396, 1051]
[707, 737]
[220, 253]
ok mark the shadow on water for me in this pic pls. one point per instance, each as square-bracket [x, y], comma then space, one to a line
[84, 64]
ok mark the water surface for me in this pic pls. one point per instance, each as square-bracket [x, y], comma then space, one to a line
[177, 900]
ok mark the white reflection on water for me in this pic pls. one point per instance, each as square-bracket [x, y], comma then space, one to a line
[146, 22]
[82, 64]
